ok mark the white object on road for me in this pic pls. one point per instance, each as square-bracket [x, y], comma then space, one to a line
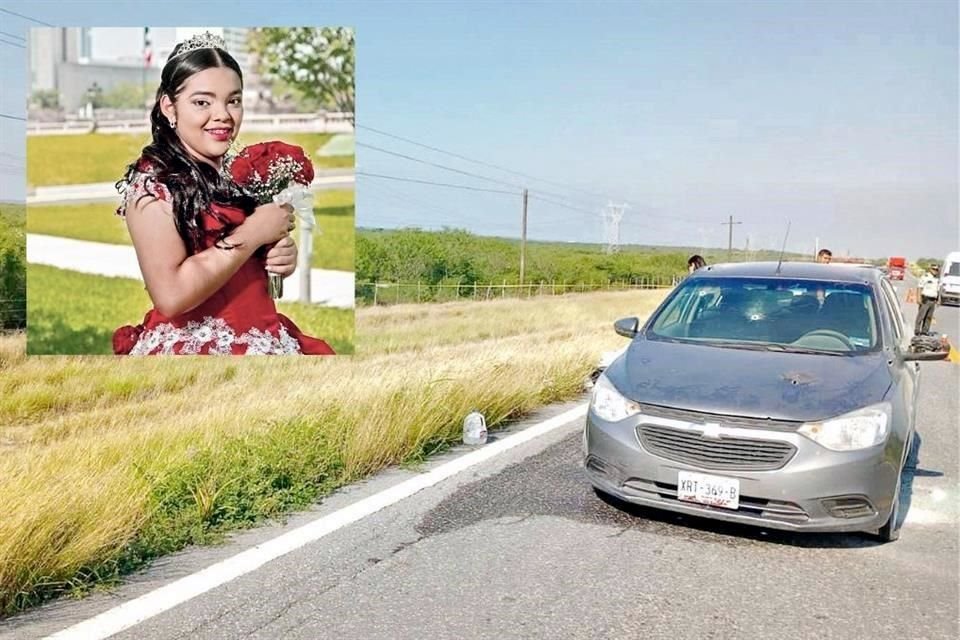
[329, 288]
[135, 611]
[475, 429]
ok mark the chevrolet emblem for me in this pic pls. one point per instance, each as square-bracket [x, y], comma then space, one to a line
[711, 430]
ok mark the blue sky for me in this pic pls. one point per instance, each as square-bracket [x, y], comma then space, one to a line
[840, 117]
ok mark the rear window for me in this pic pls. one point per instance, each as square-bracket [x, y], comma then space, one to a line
[805, 314]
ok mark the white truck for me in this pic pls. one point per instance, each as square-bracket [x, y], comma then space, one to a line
[950, 279]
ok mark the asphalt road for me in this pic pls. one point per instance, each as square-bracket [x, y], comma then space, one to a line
[520, 547]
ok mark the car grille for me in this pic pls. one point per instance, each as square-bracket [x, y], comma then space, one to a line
[732, 453]
[762, 508]
[739, 422]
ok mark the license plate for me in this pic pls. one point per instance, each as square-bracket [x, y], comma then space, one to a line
[705, 489]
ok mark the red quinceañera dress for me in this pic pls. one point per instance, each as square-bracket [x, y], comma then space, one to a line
[239, 319]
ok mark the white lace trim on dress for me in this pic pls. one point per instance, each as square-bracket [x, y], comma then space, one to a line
[194, 336]
[141, 184]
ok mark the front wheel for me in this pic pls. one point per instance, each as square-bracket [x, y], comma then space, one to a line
[890, 531]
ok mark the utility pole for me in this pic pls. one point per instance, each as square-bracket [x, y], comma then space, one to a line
[523, 238]
[730, 238]
[612, 218]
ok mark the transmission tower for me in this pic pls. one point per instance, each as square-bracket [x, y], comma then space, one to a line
[611, 222]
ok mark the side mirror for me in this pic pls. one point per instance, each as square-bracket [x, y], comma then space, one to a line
[627, 327]
[928, 347]
[925, 356]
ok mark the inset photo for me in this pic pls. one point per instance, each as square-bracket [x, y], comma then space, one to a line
[190, 191]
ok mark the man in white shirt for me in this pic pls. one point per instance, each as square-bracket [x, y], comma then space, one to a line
[929, 284]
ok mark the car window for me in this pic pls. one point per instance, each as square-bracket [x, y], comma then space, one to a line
[952, 269]
[821, 315]
[894, 308]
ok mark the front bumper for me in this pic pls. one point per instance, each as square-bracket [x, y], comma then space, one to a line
[802, 495]
[949, 297]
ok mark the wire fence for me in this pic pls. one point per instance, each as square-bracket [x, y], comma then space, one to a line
[387, 293]
[13, 314]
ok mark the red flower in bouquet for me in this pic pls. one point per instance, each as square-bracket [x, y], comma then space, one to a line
[275, 171]
[267, 168]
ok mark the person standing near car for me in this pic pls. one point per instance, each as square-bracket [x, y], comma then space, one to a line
[929, 287]
[824, 256]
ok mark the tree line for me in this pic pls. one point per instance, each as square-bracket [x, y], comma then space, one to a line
[13, 268]
[459, 257]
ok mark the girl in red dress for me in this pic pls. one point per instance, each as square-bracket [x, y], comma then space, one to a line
[203, 245]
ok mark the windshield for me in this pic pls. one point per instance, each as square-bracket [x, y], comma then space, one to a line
[952, 269]
[771, 313]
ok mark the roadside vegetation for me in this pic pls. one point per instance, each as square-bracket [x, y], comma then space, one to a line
[107, 463]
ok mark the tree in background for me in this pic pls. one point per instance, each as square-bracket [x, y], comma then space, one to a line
[13, 271]
[318, 63]
[123, 96]
[46, 98]
[924, 263]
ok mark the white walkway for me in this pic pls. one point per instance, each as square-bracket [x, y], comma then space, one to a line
[103, 191]
[328, 288]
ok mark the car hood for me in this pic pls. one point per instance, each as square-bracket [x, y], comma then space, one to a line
[755, 384]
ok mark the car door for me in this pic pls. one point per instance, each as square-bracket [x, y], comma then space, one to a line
[905, 375]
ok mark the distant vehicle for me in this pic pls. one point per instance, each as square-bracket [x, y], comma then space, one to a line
[896, 266]
[745, 398]
[950, 279]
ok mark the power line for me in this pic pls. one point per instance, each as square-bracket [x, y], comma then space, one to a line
[455, 170]
[481, 162]
[438, 184]
[5, 115]
[12, 44]
[439, 166]
[12, 35]
[20, 15]
[565, 206]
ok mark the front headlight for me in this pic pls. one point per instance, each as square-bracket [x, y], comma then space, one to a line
[859, 429]
[609, 404]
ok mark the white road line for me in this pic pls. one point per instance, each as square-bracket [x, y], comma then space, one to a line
[151, 604]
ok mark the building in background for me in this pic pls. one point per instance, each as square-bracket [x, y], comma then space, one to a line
[77, 63]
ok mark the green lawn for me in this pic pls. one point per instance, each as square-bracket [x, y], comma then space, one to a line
[333, 247]
[99, 157]
[72, 313]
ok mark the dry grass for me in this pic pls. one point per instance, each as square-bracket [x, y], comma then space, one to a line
[111, 462]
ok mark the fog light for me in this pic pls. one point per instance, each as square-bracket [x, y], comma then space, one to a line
[848, 507]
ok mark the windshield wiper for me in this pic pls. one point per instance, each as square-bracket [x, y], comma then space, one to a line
[735, 344]
[775, 346]
[772, 346]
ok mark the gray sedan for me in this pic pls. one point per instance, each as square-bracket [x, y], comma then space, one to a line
[777, 395]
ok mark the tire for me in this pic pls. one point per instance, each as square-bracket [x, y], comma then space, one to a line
[890, 531]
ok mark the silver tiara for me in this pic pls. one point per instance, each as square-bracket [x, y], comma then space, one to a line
[205, 40]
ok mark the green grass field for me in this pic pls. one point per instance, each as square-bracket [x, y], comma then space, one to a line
[72, 313]
[333, 245]
[98, 157]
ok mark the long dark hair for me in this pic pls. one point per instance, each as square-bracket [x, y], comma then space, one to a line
[193, 185]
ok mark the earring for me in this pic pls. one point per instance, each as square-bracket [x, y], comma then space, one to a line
[173, 124]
